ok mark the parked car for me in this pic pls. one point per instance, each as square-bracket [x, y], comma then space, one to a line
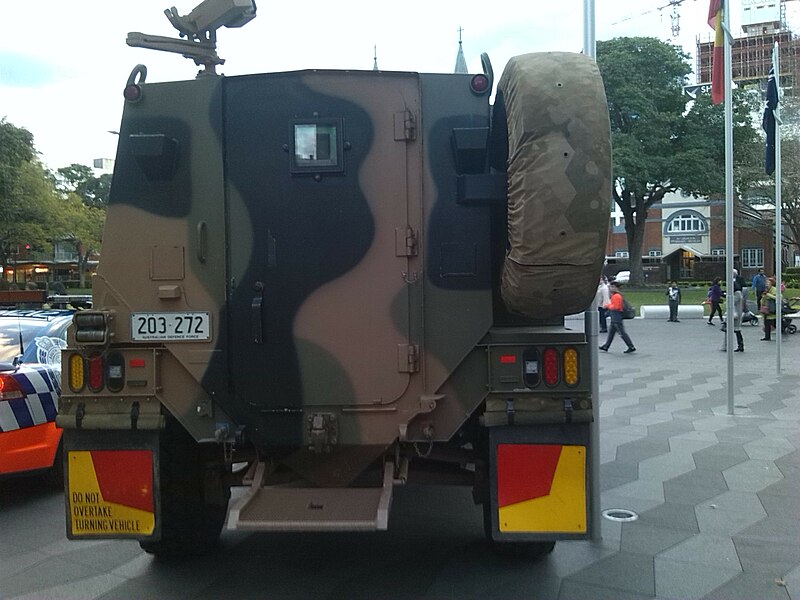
[623, 277]
[30, 385]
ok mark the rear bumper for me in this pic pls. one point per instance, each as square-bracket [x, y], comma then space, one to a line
[28, 449]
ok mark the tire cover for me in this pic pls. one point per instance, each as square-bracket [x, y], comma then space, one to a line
[559, 182]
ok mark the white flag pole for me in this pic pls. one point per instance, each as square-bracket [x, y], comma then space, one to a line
[591, 326]
[728, 196]
[778, 202]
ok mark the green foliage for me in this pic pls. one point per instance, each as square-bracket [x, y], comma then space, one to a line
[661, 142]
[34, 212]
[80, 179]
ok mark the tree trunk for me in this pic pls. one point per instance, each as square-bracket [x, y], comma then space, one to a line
[82, 262]
[634, 232]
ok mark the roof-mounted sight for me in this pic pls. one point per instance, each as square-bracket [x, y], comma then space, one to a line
[200, 28]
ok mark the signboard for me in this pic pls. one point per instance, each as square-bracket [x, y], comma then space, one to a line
[685, 239]
[760, 11]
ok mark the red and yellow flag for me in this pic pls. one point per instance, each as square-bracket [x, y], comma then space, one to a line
[715, 9]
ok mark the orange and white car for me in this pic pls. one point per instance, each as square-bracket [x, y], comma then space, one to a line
[30, 385]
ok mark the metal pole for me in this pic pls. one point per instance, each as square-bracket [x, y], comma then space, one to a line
[729, 192]
[778, 207]
[591, 327]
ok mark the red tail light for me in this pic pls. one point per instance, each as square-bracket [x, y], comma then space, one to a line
[550, 366]
[9, 388]
[96, 373]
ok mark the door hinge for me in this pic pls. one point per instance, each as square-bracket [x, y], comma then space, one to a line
[405, 126]
[405, 241]
[407, 358]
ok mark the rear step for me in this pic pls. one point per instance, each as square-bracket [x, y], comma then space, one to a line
[313, 509]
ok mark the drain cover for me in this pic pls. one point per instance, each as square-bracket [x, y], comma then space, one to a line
[620, 515]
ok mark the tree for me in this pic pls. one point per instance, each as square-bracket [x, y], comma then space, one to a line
[658, 145]
[80, 179]
[83, 226]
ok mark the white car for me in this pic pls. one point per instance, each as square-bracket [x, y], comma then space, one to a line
[623, 277]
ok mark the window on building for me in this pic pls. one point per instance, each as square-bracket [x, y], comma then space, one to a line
[752, 258]
[654, 253]
[621, 254]
[718, 252]
[686, 222]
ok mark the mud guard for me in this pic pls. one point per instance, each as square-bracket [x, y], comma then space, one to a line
[111, 493]
[539, 482]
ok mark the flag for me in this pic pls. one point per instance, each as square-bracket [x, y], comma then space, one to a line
[768, 123]
[717, 60]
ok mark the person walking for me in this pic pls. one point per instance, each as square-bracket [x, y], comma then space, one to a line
[615, 306]
[738, 312]
[769, 309]
[759, 285]
[602, 297]
[673, 300]
[715, 297]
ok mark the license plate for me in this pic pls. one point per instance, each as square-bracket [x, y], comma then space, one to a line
[162, 327]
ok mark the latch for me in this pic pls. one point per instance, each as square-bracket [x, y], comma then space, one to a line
[405, 241]
[405, 127]
[407, 358]
[323, 432]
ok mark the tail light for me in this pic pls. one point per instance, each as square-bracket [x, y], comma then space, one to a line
[96, 372]
[550, 366]
[76, 372]
[10, 389]
[570, 365]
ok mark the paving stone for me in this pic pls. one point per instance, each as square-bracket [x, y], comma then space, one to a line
[766, 556]
[714, 521]
[748, 586]
[768, 448]
[752, 476]
[640, 537]
[672, 516]
[720, 456]
[576, 590]
[780, 505]
[632, 573]
[678, 579]
[642, 449]
[716, 551]
[687, 494]
[736, 501]
[666, 466]
[778, 529]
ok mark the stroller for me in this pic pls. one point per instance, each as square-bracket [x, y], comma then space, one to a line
[749, 316]
[789, 311]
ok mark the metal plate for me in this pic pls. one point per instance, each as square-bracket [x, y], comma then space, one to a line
[170, 326]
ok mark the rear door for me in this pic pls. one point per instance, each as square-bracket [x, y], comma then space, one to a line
[317, 172]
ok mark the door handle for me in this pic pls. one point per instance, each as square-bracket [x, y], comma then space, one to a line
[256, 314]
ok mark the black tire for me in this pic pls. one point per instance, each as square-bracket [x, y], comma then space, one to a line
[54, 476]
[754, 321]
[791, 328]
[193, 494]
[527, 550]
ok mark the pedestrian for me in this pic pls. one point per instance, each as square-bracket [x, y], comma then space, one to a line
[768, 307]
[715, 297]
[759, 285]
[615, 307]
[602, 297]
[738, 312]
[673, 300]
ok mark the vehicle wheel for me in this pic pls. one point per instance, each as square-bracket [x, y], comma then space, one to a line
[791, 328]
[754, 321]
[193, 493]
[54, 476]
[514, 549]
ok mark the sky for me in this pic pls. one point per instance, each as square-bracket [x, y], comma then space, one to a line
[64, 64]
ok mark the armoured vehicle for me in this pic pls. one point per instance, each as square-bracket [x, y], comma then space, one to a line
[340, 281]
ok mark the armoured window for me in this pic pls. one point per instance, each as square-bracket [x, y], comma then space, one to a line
[317, 146]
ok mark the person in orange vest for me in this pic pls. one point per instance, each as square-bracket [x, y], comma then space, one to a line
[614, 307]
